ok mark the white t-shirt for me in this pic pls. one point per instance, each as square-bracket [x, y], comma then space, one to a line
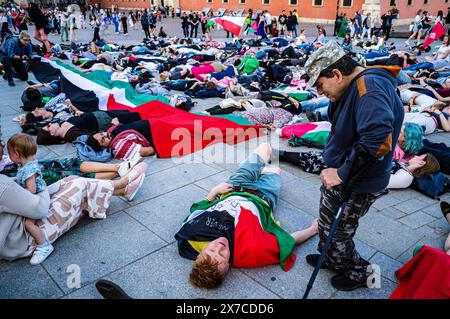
[423, 119]
[268, 18]
[401, 179]
[442, 52]
[423, 100]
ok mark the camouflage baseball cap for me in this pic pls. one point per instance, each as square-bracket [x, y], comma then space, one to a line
[322, 59]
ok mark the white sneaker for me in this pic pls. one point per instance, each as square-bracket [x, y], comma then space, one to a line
[126, 166]
[132, 188]
[136, 159]
[41, 253]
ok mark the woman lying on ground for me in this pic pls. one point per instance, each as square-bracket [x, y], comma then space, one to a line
[402, 174]
[85, 124]
[411, 142]
[254, 110]
[125, 140]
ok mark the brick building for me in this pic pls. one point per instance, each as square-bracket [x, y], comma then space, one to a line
[317, 11]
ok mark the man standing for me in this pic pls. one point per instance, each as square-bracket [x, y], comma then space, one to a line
[15, 52]
[367, 26]
[358, 24]
[366, 110]
[282, 20]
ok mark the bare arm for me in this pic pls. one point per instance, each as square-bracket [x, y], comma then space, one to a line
[30, 184]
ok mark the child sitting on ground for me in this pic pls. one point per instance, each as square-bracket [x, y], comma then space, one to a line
[22, 150]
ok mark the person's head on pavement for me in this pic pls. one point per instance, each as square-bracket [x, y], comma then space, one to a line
[331, 71]
[212, 264]
[411, 138]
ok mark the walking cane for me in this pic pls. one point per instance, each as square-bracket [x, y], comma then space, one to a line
[363, 160]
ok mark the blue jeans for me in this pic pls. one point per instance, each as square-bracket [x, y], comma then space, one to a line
[444, 74]
[403, 78]
[418, 66]
[323, 112]
[315, 104]
[248, 176]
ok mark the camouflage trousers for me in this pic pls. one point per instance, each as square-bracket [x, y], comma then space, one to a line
[342, 255]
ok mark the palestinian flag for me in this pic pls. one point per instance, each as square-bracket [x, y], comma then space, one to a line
[293, 92]
[230, 24]
[174, 132]
[95, 87]
[253, 28]
[255, 238]
[316, 132]
[177, 133]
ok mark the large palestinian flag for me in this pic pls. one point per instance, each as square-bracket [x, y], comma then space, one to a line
[174, 132]
[230, 24]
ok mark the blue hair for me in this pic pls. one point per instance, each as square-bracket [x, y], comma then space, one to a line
[413, 138]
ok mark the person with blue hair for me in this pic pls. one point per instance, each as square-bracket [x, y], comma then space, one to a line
[411, 142]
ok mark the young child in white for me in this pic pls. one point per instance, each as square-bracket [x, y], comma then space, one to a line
[22, 150]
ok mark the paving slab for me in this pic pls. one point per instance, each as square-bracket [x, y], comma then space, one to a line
[381, 232]
[100, 248]
[388, 266]
[168, 180]
[416, 220]
[20, 280]
[142, 279]
[165, 214]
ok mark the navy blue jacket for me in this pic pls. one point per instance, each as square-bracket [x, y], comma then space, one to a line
[370, 113]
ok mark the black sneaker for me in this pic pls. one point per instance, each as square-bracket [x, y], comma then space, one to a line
[4, 76]
[11, 83]
[110, 290]
[342, 283]
[312, 261]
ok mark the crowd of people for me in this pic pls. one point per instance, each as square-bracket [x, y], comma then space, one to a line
[264, 81]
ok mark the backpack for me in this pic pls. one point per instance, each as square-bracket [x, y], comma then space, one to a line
[433, 186]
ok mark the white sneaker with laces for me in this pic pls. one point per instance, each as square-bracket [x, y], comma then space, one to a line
[41, 253]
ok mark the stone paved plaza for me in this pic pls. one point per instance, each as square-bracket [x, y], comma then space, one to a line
[135, 246]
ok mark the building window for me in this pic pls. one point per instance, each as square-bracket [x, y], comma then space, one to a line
[393, 3]
[293, 2]
[209, 1]
[225, 1]
[242, 1]
[410, 2]
[347, 3]
[318, 3]
[425, 1]
[266, 2]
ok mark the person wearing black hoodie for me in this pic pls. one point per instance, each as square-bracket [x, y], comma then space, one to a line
[41, 23]
[4, 31]
[365, 112]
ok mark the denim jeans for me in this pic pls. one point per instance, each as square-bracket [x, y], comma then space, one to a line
[249, 176]
[315, 104]
[418, 66]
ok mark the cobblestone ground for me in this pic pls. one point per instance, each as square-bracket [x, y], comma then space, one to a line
[135, 246]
